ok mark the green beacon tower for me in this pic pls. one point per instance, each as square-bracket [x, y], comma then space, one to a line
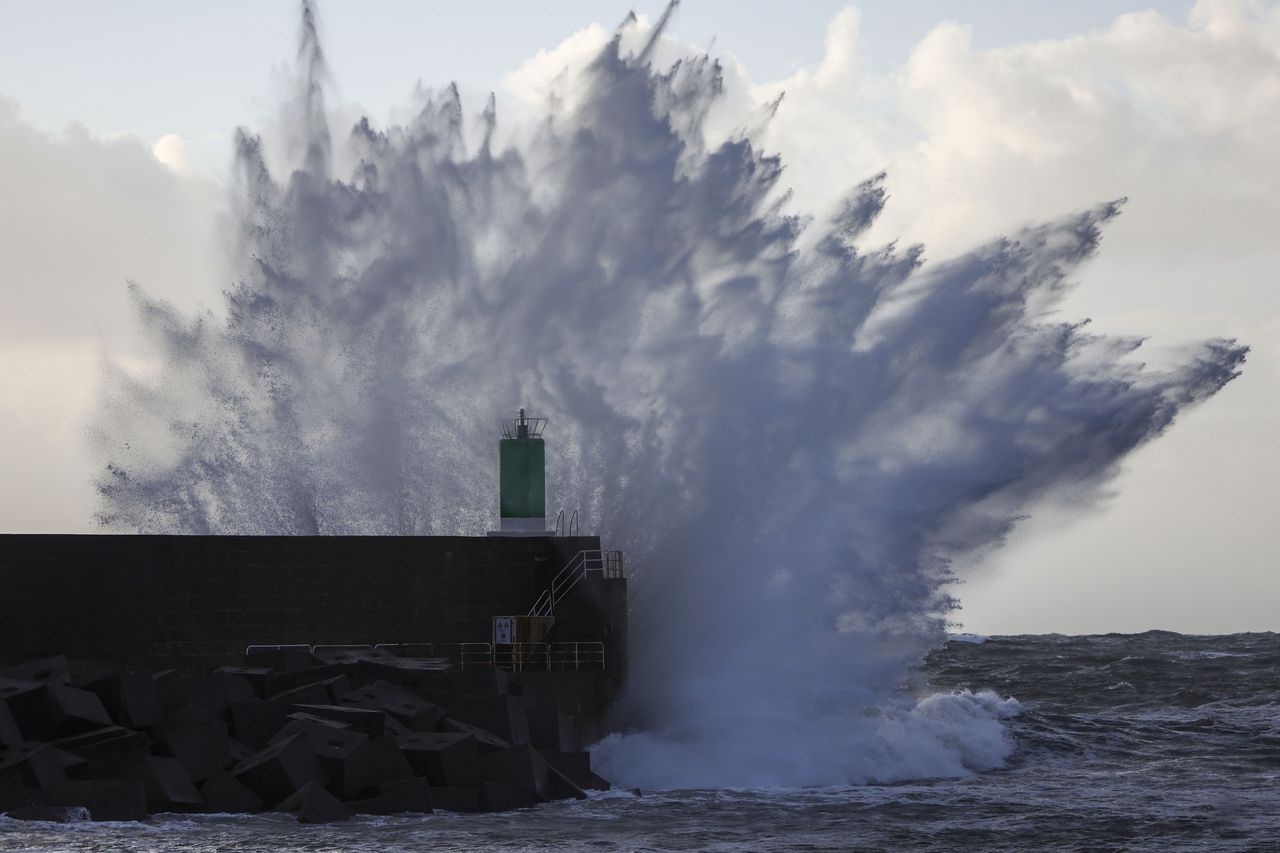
[522, 473]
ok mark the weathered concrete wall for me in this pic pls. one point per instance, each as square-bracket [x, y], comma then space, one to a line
[191, 602]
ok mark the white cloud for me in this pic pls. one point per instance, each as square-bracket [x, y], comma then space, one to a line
[80, 216]
[171, 150]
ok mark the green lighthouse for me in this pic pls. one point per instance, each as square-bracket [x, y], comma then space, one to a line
[522, 473]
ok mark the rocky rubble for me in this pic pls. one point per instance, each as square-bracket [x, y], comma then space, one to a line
[322, 737]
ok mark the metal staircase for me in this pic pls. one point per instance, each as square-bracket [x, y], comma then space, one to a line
[607, 564]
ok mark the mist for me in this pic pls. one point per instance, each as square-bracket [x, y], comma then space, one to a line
[792, 435]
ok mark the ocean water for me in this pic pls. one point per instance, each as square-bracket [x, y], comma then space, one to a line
[1155, 741]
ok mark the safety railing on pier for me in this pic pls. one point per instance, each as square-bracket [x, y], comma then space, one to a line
[518, 657]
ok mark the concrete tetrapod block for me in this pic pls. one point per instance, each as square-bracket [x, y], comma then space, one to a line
[28, 704]
[13, 792]
[314, 693]
[105, 799]
[576, 766]
[389, 763]
[345, 756]
[225, 794]
[446, 759]
[502, 715]
[520, 765]
[505, 797]
[455, 799]
[283, 681]
[109, 752]
[131, 698]
[255, 722]
[73, 710]
[300, 717]
[416, 713]
[10, 734]
[203, 747]
[561, 787]
[313, 804]
[38, 764]
[173, 688]
[281, 769]
[168, 785]
[407, 796]
[550, 729]
[486, 741]
[371, 722]
[52, 670]
[259, 677]
[217, 690]
[406, 672]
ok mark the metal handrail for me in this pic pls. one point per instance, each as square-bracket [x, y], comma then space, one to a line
[607, 563]
[577, 655]
[276, 647]
[476, 654]
[582, 655]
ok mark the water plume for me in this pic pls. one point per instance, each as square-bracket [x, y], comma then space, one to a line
[791, 435]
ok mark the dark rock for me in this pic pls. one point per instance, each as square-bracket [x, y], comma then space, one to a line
[313, 804]
[281, 769]
[446, 759]
[455, 799]
[225, 794]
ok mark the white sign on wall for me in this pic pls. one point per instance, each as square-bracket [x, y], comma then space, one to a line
[504, 629]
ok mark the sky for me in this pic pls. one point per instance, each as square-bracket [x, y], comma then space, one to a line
[115, 131]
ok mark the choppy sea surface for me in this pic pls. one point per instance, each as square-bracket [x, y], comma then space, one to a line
[1153, 741]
